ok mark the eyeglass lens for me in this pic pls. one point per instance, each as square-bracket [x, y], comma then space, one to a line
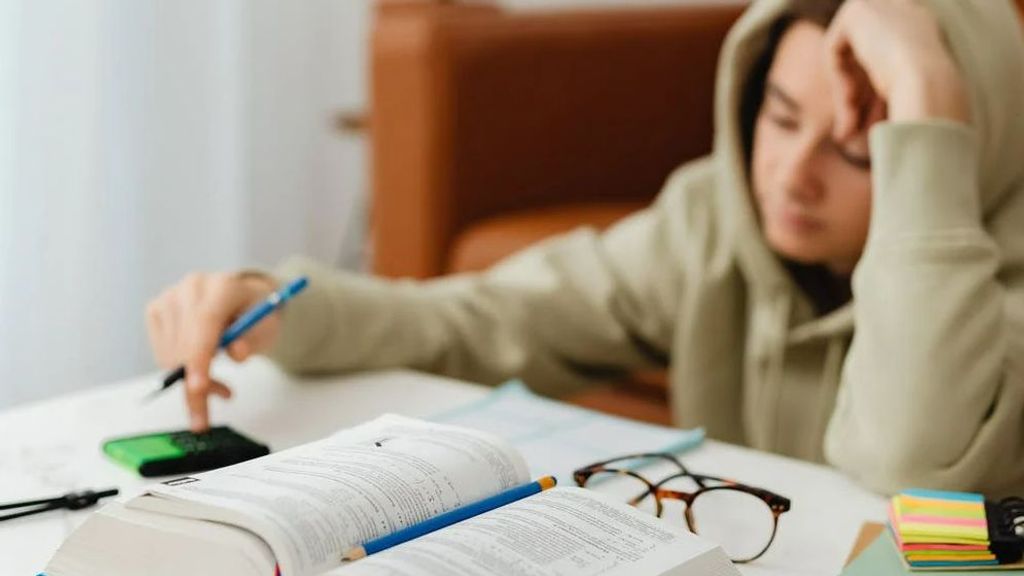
[742, 523]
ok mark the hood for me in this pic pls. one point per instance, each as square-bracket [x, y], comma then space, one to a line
[984, 38]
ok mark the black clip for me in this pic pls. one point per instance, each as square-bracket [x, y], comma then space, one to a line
[1013, 513]
[69, 501]
[1005, 519]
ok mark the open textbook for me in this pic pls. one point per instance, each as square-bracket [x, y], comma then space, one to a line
[301, 509]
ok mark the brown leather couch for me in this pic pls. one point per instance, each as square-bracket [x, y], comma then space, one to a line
[492, 129]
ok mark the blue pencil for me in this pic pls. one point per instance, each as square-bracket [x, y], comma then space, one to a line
[450, 517]
[243, 324]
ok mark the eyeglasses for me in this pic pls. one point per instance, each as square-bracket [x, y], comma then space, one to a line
[742, 519]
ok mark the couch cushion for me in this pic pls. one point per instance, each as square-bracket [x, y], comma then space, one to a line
[492, 239]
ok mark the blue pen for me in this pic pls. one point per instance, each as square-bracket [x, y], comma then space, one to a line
[450, 517]
[243, 324]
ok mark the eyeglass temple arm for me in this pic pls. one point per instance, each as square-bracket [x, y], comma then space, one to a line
[774, 500]
[661, 455]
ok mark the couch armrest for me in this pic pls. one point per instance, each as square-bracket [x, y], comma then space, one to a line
[477, 111]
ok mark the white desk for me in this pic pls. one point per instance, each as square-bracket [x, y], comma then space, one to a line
[52, 447]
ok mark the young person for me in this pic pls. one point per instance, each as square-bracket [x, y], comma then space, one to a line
[840, 280]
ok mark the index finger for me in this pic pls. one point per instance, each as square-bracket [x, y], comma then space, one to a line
[839, 66]
[203, 340]
[197, 391]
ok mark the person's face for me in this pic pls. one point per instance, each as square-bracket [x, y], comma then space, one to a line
[813, 194]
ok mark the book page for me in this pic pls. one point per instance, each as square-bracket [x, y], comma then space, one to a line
[314, 502]
[559, 532]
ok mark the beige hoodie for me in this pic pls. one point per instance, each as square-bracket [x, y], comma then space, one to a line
[929, 389]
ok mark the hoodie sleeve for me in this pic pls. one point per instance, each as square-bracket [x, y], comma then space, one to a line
[933, 391]
[570, 310]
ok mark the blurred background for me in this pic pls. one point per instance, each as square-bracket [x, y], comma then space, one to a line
[142, 139]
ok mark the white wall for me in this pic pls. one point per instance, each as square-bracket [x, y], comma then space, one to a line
[140, 139]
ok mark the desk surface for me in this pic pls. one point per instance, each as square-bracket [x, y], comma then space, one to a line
[52, 447]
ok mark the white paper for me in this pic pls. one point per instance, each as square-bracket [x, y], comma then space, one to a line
[560, 532]
[556, 438]
[314, 502]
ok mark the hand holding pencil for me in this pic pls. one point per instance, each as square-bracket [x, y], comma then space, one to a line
[191, 320]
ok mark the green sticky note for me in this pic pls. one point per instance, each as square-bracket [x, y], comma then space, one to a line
[882, 559]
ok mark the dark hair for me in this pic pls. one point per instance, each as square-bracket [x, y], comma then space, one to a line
[825, 291]
[820, 12]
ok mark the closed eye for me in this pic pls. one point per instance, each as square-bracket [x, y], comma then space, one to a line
[783, 122]
[857, 160]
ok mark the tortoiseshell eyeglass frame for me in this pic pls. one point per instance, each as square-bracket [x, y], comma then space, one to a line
[776, 504]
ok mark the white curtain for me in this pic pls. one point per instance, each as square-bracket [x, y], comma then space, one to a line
[141, 139]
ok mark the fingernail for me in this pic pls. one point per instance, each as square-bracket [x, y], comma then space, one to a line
[197, 424]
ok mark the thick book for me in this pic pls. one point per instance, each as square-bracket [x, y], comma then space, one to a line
[302, 509]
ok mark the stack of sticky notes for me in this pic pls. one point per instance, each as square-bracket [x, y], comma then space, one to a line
[941, 529]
